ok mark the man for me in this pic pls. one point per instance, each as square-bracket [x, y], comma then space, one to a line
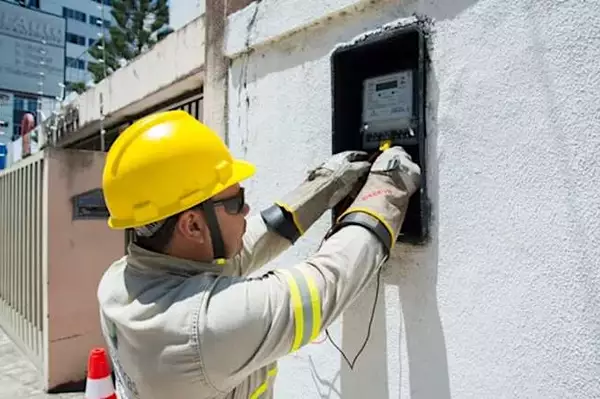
[180, 314]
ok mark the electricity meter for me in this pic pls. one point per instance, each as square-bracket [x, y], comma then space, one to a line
[387, 108]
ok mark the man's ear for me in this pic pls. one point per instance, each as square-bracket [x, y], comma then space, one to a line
[191, 226]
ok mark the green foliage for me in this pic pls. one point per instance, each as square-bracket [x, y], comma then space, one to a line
[139, 25]
[78, 87]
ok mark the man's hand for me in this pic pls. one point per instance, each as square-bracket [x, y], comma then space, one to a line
[398, 165]
[381, 204]
[344, 169]
[324, 187]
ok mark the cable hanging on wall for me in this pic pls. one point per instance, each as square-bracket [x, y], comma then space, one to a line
[102, 47]
[42, 77]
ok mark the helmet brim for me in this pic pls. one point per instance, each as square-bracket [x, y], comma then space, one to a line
[240, 171]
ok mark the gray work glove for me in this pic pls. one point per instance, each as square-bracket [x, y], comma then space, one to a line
[393, 178]
[324, 187]
[343, 171]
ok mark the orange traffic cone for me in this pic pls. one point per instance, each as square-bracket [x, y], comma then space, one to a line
[99, 384]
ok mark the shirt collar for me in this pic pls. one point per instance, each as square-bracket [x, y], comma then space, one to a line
[153, 262]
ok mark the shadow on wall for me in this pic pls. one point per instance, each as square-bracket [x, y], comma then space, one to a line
[425, 342]
[411, 274]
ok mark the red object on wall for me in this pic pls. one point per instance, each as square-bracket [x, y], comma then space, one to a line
[27, 125]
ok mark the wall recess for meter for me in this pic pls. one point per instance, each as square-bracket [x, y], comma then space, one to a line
[379, 93]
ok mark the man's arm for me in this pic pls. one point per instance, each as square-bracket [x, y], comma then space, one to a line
[279, 226]
[260, 246]
[250, 322]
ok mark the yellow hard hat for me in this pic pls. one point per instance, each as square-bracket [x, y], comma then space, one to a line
[164, 164]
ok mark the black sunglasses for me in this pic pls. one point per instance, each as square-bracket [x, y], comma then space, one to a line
[233, 205]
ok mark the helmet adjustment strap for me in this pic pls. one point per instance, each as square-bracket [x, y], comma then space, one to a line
[218, 245]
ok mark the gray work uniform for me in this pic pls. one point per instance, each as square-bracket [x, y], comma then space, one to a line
[178, 329]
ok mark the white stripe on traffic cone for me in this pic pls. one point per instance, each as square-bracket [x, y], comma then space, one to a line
[100, 389]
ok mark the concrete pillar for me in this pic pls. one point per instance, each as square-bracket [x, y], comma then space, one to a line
[216, 64]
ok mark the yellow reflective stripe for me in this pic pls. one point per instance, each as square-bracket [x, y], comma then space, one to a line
[263, 387]
[306, 306]
[315, 300]
[296, 299]
[294, 216]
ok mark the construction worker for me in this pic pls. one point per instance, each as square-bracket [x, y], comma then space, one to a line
[181, 314]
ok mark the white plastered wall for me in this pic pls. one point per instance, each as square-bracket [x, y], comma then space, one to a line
[505, 301]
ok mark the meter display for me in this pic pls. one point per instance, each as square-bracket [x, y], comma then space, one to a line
[387, 106]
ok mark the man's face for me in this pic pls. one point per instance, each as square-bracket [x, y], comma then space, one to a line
[231, 211]
[192, 238]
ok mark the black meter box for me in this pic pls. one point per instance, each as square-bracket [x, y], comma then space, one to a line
[379, 93]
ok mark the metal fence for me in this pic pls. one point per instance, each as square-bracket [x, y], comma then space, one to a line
[22, 248]
[193, 104]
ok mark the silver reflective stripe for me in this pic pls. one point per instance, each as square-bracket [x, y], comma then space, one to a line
[306, 306]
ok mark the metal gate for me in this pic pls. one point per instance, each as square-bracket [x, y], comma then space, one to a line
[22, 246]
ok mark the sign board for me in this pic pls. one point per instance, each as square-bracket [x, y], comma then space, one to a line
[6, 116]
[32, 44]
[90, 205]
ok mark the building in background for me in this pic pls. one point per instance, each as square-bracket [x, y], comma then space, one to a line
[32, 67]
[85, 21]
[182, 12]
[6, 117]
[34, 80]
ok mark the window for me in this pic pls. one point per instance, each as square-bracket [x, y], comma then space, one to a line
[75, 39]
[73, 14]
[32, 106]
[106, 2]
[91, 42]
[18, 103]
[74, 63]
[98, 21]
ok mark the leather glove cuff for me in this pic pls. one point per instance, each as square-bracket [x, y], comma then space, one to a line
[370, 222]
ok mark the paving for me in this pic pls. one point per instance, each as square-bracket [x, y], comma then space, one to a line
[19, 379]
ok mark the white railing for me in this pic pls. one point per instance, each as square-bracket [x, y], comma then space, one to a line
[22, 251]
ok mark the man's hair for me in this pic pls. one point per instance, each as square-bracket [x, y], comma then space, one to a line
[158, 241]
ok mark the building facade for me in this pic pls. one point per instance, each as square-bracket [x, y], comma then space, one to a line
[86, 21]
[32, 69]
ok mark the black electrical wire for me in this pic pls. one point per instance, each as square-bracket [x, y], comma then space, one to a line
[371, 318]
[352, 363]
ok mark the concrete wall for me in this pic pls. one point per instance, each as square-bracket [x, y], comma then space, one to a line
[75, 263]
[505, 300]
